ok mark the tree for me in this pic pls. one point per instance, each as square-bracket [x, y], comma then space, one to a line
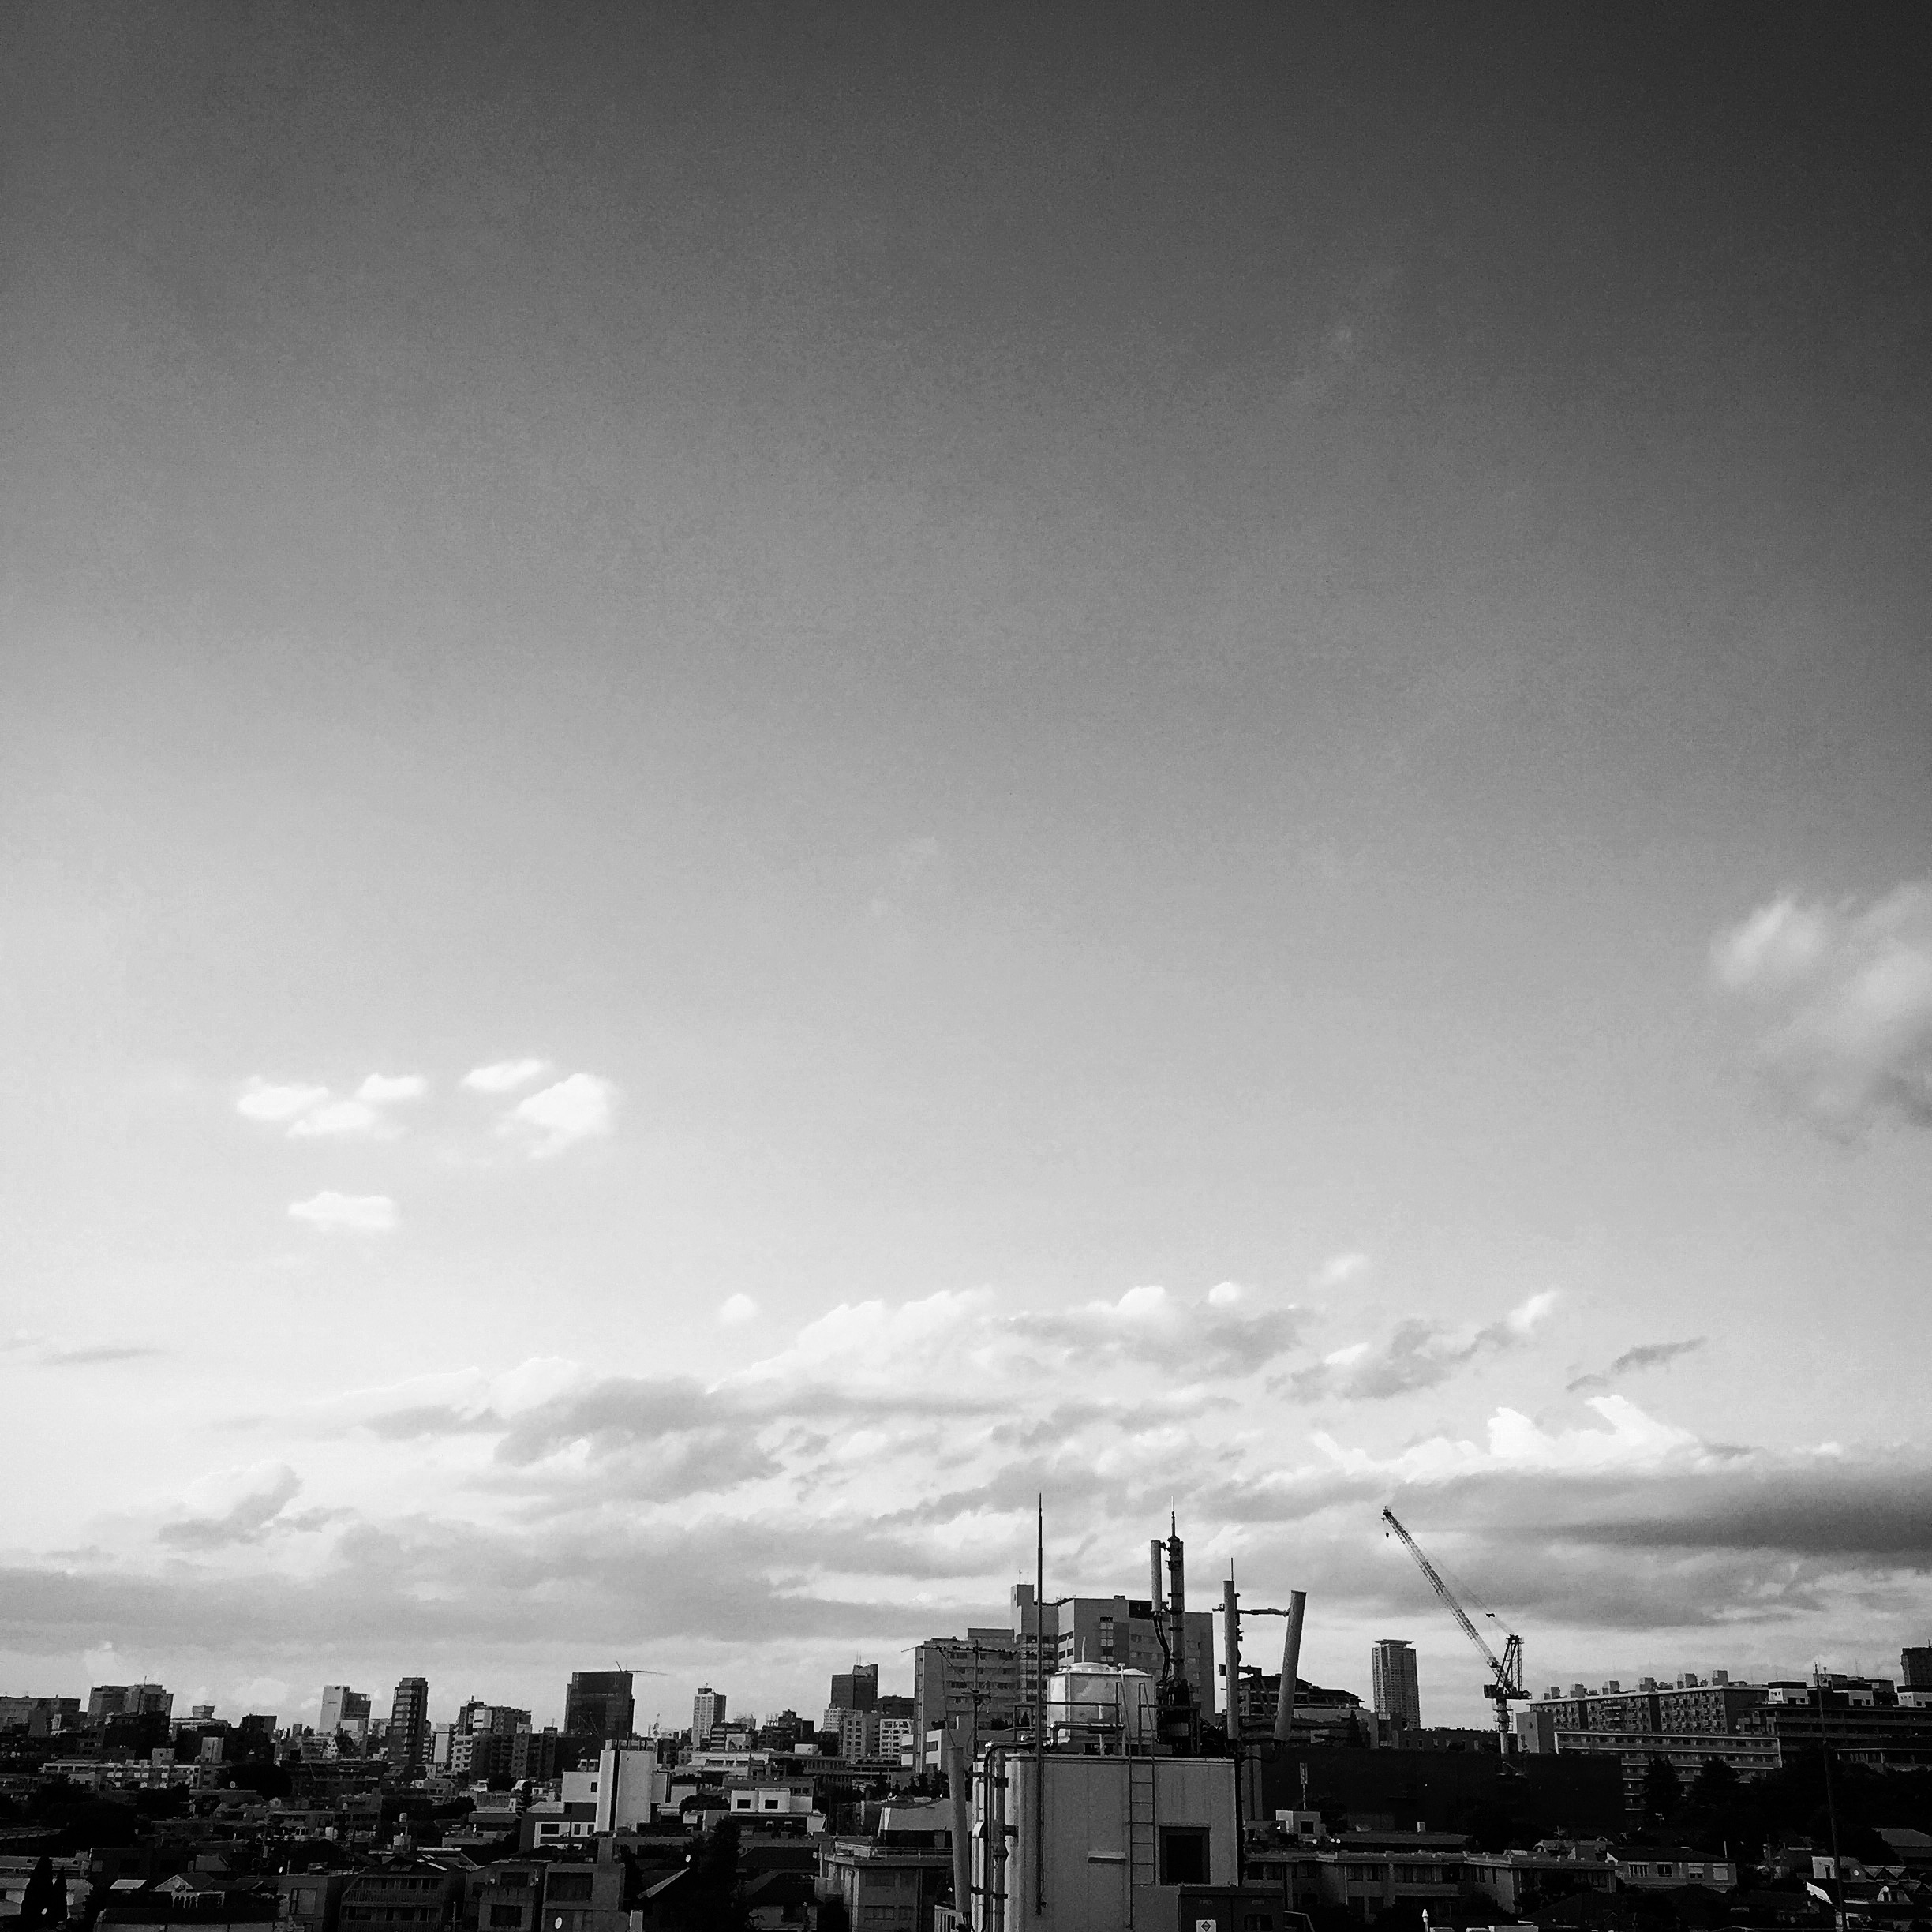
[37, 1903]
[1715, 1785]
[1662, 1793]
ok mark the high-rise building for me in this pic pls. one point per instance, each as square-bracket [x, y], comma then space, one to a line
[1916, 1667]
[1392, 1681]
[141, 1700]
[343, 1710]
[707, 1713]
[856, 1689]
[599, 1704]
[408, 1742]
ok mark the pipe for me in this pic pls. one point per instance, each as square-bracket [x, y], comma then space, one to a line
[959, 1781]
[1291, 1664]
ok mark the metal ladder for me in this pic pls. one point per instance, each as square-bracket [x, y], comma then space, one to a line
[1142, 1869]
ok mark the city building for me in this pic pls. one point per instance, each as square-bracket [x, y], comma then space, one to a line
[707, 1713]
[600, 1704]
[1916, 1667]
[40, 1717]
[1084, 1839]
[897, 1877]
[856, 1689]
[344, 1711]
[408, 1741]
[1392, 1681]
[142, 1700]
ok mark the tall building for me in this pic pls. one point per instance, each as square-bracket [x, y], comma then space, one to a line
[343, 1710]
[599, 1704]
[1392, 1681]
[141, 1700]
[707, 1713]
[1916, 1667]
[856, 1689]
[409, 1724]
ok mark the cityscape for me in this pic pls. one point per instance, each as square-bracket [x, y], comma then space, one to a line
[1112, 1757]
[965, 968]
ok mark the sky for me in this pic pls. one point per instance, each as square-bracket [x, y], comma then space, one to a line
[769, 775]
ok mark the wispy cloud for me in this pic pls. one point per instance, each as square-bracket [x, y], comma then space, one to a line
[1645, 1355]
[88, 1356]
[339, 1118]
[580, 1107]
[1416, 1354]
[504, 1076]
[364, 1214]
[1841, 997]
[310, 1112]
[737, 1311]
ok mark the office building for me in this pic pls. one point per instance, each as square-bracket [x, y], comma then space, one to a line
[1392, 1680]
[1916, 1667]
[856, 1689]
[408, 1742]
[707, 1713]
[141, 1700]
[343, 1710]
[600, 1704]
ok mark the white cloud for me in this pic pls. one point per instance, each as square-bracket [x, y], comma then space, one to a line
[1224, 1294]
[1842, 996]
[338, 1119]
[1339, 1268]
[1521, 1320]
[379, 1089]
[504, 1076]
[560, 1116]
[362, 1214]
[263, 1100]
[739, 1310]
[1516, 1446]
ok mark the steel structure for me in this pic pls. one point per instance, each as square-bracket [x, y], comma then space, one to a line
[1507, 1670]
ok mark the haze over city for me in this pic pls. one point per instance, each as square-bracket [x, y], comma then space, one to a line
[770, 776]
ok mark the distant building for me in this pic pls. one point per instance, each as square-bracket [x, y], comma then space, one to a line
[1916, 1667]
[38, 1716]
[1392, 1679]
[600, 1704]
[408, 1742]
[142, 1700]
[707, 1713]
[344, 1710]
[856, 1689]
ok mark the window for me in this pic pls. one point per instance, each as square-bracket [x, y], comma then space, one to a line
[506, 1915]
[1183, 1856]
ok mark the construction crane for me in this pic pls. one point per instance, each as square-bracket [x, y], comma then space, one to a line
[1507, 1670]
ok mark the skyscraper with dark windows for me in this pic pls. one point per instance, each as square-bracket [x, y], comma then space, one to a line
[408, 1742]
[1392, 1677]
[599, 1704]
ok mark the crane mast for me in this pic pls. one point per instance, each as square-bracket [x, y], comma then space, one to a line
[1507, 1670]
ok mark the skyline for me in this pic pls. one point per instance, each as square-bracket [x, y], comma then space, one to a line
[769, 776]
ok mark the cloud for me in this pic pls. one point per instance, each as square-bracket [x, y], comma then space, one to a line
[575, 1109]
[340, 1117]
[1338, 1269]
[504, 1076]
[1841, 1000]
[1416, 1354]
[366, 1214]
[234, 1505]
[739, 1310]
[262, 1100]
[1645, 1355]
[99, 1352]
[380, 1089]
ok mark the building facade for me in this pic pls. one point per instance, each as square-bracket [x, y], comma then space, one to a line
[707, 1713]
[408, 1740]
[600, 1704]
[1393, 1683]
